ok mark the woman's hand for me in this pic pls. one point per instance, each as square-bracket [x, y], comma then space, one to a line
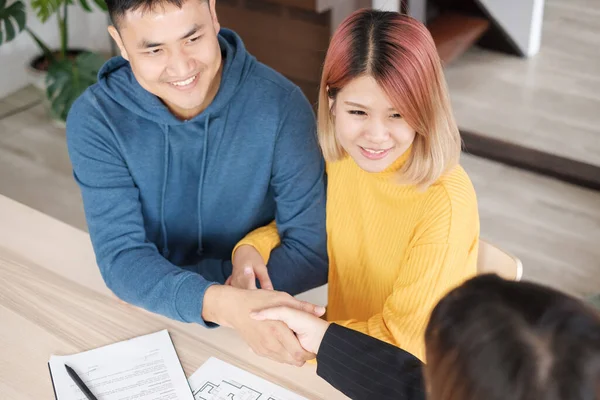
[248, 265]
[309, 328]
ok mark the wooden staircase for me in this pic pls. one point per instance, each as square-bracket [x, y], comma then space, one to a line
[454, 33]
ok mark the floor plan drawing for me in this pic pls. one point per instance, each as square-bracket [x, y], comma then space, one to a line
[218, 380]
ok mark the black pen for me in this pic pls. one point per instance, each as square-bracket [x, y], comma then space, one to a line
[80, 383]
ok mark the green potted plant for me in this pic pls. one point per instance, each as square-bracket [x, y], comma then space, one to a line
[68, 71]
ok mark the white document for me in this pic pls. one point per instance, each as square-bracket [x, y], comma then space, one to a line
[143, 368]
[218, 380]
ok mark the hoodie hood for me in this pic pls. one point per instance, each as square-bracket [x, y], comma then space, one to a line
[116, 79]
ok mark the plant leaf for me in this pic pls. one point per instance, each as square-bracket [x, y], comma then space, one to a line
[8, 16]
[18, 12]
[101, 4]
[68, 79]
[44, 9]
[85, 5]
[10, 30]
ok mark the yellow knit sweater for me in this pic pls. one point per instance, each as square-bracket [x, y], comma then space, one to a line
[394, 251]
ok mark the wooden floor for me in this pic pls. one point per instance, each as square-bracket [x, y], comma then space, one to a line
[552, 226]
[550, 102]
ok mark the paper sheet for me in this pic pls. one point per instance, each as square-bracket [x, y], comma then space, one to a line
[143, 368]
[218, 380]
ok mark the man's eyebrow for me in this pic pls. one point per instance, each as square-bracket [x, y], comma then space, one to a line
[192, 31]
[146, 44]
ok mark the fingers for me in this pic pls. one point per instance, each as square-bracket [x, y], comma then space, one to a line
[296, 354]
[317, 311]
[307, 307]
[244, 280]
[280, 344]
[263, 277]
[273, 314]
[286, 300]
[308, 332]
[249, 278]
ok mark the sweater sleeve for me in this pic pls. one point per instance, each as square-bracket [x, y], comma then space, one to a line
[263, 239]
[363, 367]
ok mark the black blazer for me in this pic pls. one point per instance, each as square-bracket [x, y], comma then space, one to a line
[363, 367]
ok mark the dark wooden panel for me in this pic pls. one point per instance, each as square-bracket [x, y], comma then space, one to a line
[295, 34]
[300, 64]
[310, 5]
[454, 33]
[284, 34]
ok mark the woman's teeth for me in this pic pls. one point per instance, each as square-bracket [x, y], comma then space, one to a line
[374, 151]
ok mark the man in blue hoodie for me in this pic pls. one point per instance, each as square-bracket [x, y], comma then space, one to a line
[185, 145]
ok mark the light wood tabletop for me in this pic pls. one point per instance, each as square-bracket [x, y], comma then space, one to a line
[54, 301]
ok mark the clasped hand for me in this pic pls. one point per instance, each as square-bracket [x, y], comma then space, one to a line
[232, 307]
[277, 326]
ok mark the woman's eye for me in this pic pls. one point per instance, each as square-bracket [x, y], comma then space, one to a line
[357, 112]
[396, 115]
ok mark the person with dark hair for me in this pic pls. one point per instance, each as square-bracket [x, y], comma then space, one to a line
[184, 145]
[489, 339]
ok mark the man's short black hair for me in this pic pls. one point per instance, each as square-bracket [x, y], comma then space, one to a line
[118, 8]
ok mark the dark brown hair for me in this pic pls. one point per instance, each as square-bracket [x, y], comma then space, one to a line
[492, 339]
[118, 8]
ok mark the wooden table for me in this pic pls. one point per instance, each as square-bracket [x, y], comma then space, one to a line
[54, 301]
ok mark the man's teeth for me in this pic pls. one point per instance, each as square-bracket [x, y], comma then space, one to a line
[184, 83]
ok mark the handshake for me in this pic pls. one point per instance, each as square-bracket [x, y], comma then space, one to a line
[274, 324]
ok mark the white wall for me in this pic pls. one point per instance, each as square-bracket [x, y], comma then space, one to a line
[521, 19]
[386, 5]
[340, 9]
[86, 30]
[417, 9]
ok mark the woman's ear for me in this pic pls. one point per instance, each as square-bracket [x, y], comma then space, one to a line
[331, 101]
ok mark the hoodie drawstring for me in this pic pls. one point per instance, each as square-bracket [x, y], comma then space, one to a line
[201, 182]
[163, 225]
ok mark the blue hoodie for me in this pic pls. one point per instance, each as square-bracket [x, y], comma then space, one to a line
[167, 200]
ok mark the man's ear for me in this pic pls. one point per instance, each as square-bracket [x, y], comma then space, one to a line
[114, 33]
[213, 14]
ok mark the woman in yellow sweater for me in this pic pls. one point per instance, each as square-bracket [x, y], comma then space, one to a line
[402, 220]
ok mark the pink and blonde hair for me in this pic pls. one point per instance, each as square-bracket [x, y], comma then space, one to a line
[399, 53]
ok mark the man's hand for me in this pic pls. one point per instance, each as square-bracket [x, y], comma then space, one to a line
[231, 307]
[248, 265]
[308, 328]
